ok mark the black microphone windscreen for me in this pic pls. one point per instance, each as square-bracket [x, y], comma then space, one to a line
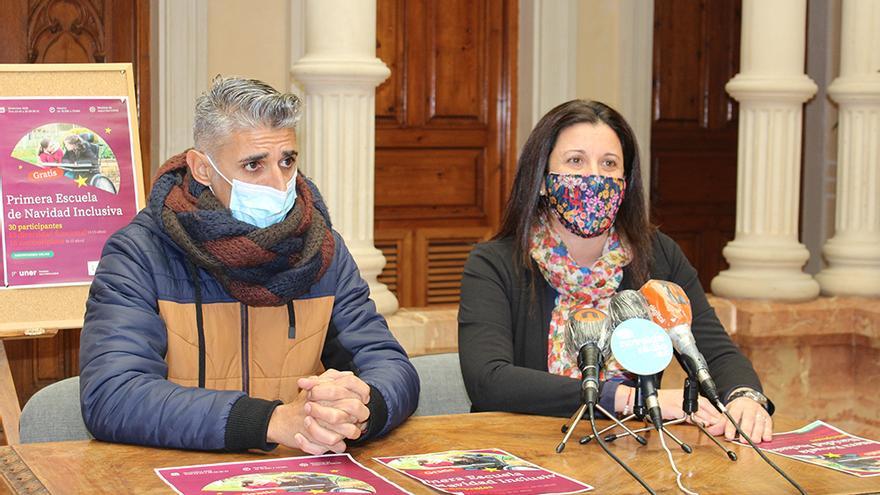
[587, 326]
[627, 304]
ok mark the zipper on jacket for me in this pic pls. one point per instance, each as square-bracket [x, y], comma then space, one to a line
[245, 374]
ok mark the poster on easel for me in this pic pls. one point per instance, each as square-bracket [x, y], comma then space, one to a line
[68, 181]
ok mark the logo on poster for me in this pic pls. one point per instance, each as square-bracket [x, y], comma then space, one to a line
[92, 109]
[2, 109]
[51, 109]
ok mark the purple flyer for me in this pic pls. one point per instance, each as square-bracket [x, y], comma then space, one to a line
[828, 446]
[334, 473]
[489, 471]
[68, 181]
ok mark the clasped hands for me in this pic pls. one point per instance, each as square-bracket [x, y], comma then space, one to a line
[329, 409]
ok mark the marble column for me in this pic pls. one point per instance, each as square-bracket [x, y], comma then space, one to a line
[765, 257]
[339, 74]
[853, 254]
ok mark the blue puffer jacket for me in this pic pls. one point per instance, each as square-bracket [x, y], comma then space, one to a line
[142, 359]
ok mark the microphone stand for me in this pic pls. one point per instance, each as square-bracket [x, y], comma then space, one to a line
[638, 413]
[590, 409]
[691, 405]
[640, 410]
[720, 406]
[568, 429]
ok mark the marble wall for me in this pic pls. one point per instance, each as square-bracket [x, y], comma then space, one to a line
[816, 359]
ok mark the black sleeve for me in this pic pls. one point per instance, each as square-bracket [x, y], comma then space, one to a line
[486, 346]
[728, 366]
[248, 424]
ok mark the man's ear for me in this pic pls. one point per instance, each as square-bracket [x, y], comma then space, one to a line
[199, 167]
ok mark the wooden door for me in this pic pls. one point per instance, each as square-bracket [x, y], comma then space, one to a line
[73, 31]
[694, 127]
[444, 148]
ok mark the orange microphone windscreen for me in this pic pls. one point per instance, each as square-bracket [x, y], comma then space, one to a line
[668, 303]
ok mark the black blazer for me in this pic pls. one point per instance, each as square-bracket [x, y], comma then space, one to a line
[503, 323]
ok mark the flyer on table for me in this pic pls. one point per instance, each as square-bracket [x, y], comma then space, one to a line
[334, 473]
[67, 180]
[486, 471]
[828, 446]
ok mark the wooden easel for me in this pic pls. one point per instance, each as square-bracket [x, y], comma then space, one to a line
[42, 312]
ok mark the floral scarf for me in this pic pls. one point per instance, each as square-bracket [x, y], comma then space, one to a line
[577, 287]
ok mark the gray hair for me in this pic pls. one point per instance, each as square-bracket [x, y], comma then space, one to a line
[235, 103]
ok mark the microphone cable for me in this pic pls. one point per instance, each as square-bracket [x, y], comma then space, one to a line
[759, 451]
[611, 454]
[675, 468]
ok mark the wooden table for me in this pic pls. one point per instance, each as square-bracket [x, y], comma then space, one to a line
[97, 467]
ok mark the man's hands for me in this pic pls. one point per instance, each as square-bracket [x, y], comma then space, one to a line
[329, 409]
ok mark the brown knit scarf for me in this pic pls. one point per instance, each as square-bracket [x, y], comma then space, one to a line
[258, 266]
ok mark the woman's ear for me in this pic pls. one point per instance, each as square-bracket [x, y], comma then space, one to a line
[198, 167]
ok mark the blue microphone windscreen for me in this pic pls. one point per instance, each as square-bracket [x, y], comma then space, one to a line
[641, 346]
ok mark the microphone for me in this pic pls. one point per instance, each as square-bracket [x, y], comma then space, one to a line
[631, 306]
[671, 309]
[627, 304]
[643, 347]
[588, 338]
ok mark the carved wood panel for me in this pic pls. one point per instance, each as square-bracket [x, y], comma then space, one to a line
[64, 30]
[440, 183]
[694, 128]
[391, 35]
[444, 149]
[73, 31]
[445, 252]
[457, 64]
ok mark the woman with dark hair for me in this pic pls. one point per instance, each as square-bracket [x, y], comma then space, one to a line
[78, 151]
[576, 231]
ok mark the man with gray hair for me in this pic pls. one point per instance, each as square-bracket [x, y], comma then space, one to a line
[229, 315]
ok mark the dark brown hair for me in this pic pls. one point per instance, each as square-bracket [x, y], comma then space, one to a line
[525, 207]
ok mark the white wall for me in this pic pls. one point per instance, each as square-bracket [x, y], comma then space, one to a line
[547, 60]
[820, 131]
[615, 40]
[250, 38]
[598, 60]
[194, 40]
[589, 49]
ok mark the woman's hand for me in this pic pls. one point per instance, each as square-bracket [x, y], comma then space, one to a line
[753, 419]
[671, 402]
[670, 406]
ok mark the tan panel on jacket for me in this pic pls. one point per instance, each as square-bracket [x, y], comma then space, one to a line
[275, 361]
[222, 323]
[276, 367]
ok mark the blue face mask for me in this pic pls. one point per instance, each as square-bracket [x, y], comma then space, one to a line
[260, 206]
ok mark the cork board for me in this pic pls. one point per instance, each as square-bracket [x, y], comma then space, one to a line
[34, 311]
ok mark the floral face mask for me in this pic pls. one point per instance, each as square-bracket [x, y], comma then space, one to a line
[585, 204]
